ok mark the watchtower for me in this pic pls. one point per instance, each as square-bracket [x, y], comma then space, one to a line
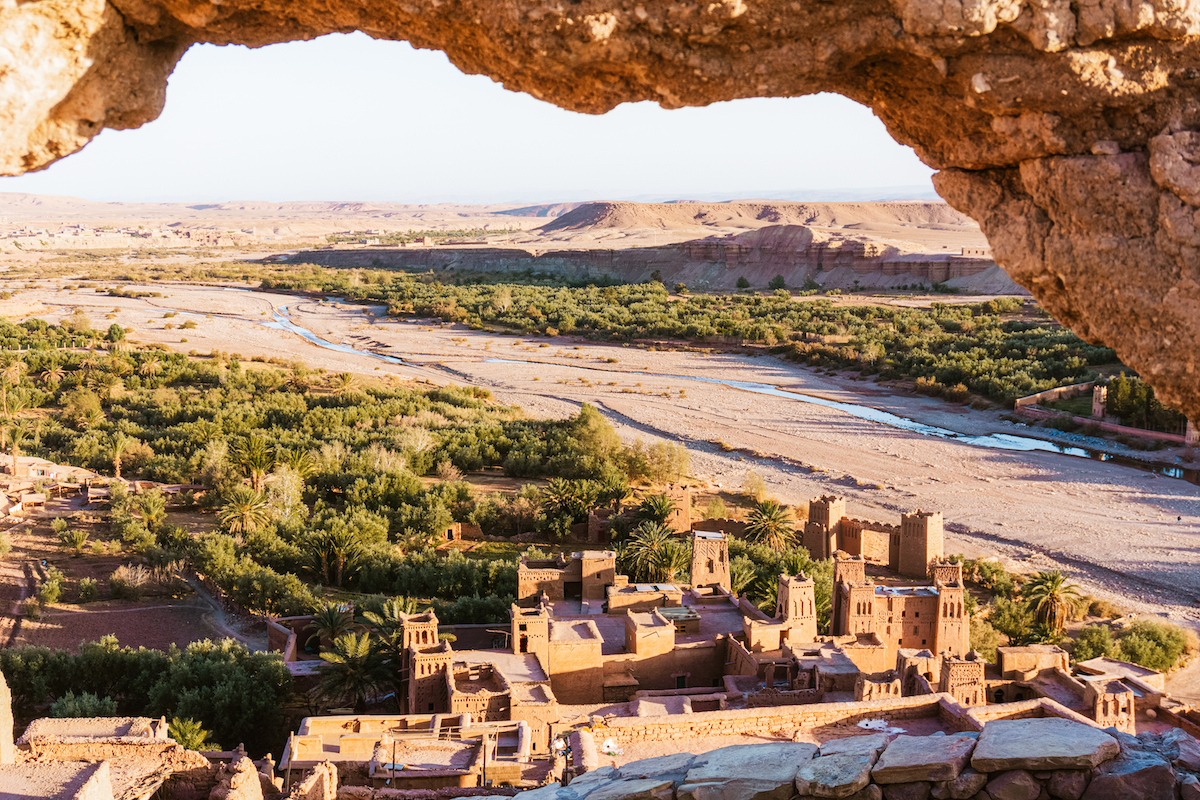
[710, 560]
[796, 607]
[531, 632]
[953, 632]
[827, 510]
[921, 537]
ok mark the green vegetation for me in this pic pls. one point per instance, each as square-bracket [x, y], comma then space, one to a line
[85, 705]
[316, 482]
[982, 346]
[234, 693]
[1036, 610]
[1132, 401]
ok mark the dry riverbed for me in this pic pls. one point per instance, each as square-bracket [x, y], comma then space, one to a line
[1122, 532]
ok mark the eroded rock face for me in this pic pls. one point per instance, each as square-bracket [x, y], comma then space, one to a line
[1070, 130]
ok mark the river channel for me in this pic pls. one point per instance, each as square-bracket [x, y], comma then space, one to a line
[996, 441]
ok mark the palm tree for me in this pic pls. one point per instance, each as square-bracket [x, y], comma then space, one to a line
[389, 627]
[741, 575]
[674, 561]
[771, 524]
[1051, 599]
[353, 669]
[333, 551]
[656, 508]
[17, 434]
[53, 375]
[330, 621]
[343, 382]
[256, 457]
[616, 491]
[190, 735]
[153, 508]
[11, 369]
[645, 550]
[245, 511]
[300, 461]
[150, 367]
[120, 444]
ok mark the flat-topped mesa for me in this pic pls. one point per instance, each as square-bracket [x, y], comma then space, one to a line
[1069, 131]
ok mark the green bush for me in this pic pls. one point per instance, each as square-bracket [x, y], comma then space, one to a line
[985, 638]
[1156, 645]
[87, 590]
[82, 706]
[1093, 641]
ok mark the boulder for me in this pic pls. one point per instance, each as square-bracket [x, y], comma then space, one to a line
[1016, 784]
[834, 776]
[870, 745]
[676, 764]
[871, 792]
[917, 790]
[967, 784]
[923, 758]
[746, 772]
[632, 789]
[1134, 775]
[1068, 784]
[1189, 788]
[1041, 744]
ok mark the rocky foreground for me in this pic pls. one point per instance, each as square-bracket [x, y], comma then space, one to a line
[1024, 759]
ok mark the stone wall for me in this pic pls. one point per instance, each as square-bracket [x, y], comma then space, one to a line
[632, 730]
[1035, 759]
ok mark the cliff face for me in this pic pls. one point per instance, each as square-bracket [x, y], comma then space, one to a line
[701, 264]
[1070, 131]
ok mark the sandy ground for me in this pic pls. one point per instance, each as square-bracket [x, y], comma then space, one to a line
[1123, 532]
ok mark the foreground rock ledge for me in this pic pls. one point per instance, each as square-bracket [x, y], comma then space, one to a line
[1070, 131]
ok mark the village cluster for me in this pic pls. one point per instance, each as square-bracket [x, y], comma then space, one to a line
[591, 665]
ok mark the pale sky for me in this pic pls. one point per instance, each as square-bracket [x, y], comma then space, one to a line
[345, 117]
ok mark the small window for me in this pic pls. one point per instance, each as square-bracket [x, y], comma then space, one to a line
[431, 706]
[916, 613]
[916, 630]
[904, 613]
[922, 641]
[681, 681]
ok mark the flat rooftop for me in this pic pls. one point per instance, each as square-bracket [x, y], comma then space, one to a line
[477, 680]
[517, 667]
[712, 535]
[574, 631]
[905, 591]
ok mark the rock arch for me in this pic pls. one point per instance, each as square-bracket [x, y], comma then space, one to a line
[1069, 130]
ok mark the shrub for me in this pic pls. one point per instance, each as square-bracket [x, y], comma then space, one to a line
[128, 582]
[1103, 609]
[30, 608]
[1156, 645]
[777, 283]
[742, 283]
[1093, 641]
[51, 589]
[87, 590]
[73, 539]
[59, 526]
[984, 638]
[958, 393]
[83, 706]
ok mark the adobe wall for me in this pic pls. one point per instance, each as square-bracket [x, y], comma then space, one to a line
[752, 721]
[871, 540]
[700, 663]
[733, 528]
[576, 670]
